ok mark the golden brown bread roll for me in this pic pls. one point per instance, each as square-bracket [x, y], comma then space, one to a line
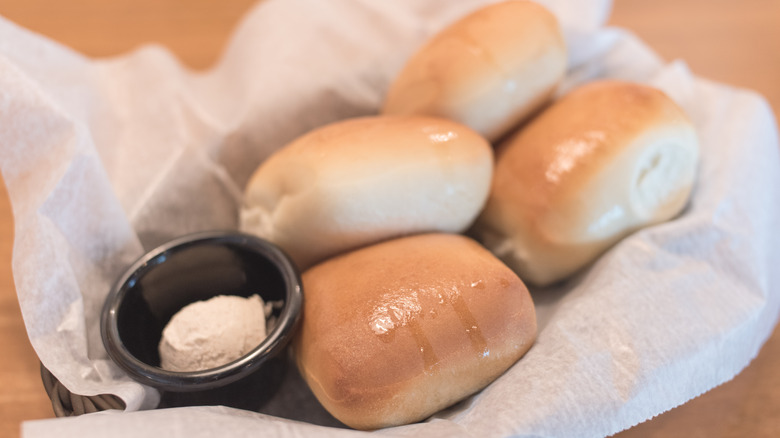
[488, 70]
[607, 159]
[397, 331]
[363, 180]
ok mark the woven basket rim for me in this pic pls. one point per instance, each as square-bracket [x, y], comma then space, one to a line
[67, 404]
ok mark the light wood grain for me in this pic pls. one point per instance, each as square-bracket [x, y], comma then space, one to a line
[725, 40]
[195, 30]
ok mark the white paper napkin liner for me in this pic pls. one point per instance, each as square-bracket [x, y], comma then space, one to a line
[63, 125]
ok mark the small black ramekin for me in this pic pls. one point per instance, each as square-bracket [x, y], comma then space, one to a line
[194, 268]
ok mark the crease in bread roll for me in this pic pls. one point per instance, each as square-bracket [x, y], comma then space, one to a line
[489, 70]
[364, 180]
[394, 332]
[607, 159]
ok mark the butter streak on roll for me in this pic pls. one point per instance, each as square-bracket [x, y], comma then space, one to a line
[397, 331]
[607, 159]
[489, 70]
[360, 181]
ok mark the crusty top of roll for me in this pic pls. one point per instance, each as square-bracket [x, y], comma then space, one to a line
[396, 331]
[489, 70]
[363, 180]
[607, 158]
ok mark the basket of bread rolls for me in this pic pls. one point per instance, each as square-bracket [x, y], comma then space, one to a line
[428, 218]
[420, 229]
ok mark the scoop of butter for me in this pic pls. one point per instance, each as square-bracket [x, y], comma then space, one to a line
[211, 333]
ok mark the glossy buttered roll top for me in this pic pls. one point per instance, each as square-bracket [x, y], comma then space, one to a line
[607, 159]
[397, 331]
[363, 180]
[488, 70]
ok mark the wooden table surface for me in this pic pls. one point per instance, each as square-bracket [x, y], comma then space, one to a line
[729, 41]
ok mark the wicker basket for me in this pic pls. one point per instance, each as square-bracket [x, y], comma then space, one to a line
[67, 404]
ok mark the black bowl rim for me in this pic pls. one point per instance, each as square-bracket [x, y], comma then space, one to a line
[274, 342]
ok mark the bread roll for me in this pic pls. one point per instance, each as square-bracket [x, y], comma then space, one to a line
[488, 70]
[363, 180]
[397, 331]
[607, 159]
